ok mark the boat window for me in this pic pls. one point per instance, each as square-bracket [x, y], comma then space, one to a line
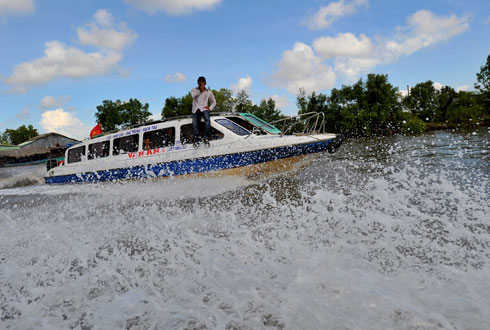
[98, 150]
[257, 129]
[160, 138]
[235, 128]
[75, 154]
[263, 125]
[245, 124]
[125, 144]
[187, 137]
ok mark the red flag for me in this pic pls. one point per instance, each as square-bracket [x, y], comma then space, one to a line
[96, 131]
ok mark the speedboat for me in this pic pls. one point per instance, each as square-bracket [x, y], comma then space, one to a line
[165, 148]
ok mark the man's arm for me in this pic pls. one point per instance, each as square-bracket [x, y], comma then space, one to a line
[195, 92]
[213, 101]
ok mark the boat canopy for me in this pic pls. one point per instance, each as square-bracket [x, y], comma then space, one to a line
[260, 123]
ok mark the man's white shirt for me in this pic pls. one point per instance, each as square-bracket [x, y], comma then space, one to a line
[201, 100]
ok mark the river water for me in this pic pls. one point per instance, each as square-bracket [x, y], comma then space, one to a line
[388, 233]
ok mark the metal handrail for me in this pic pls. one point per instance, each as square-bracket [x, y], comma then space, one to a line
[318, 126]
[314, 123]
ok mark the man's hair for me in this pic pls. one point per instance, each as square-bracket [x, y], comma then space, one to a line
[201, 78]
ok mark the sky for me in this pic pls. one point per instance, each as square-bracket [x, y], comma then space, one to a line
[60, 59]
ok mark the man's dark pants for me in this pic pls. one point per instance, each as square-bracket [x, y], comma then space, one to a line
[196, 118]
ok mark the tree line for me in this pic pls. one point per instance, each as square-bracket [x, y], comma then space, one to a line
[375, 107]
[19, 135]
[114, 115]
[368, 107]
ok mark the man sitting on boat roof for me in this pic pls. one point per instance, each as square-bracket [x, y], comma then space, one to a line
[203, 101]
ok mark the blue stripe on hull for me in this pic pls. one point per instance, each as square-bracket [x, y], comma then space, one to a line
[198, 165]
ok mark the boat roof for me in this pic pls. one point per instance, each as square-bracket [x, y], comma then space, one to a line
[212, 114]
[245, 115]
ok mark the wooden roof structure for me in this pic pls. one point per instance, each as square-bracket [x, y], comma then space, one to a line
[27, 152]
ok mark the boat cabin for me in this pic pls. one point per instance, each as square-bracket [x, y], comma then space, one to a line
[173, 134]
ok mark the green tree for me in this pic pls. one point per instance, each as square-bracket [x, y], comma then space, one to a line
[19, 135]
[134, 112]
[112, 115]
[311, 103]
[243, 102]
[224, 100]
[381, 105]
[465, 110]
[306, 104]
[266, 110]
[483, 78]
[363, 109]
[412, 124]
[333, 111]
[171, 108]
[483, 86]
[176, 107]
[108, 115]
[351, 105]
[422, 101]
[444, 99]
[302, 101]
[3, 138]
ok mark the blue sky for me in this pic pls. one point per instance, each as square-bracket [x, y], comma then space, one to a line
[60, 59]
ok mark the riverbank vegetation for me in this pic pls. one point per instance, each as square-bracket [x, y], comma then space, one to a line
[18, 135]
[371, 106]
[375, 107]
[113, 115]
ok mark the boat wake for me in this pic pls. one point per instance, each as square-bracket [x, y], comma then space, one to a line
[350, 243]
[22, 176]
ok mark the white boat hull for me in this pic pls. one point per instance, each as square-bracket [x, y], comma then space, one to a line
[166, 162]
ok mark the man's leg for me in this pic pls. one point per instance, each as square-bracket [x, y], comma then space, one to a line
[207, 125]
[196, 118]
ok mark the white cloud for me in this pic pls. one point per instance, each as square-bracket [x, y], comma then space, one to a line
[23, 114]
[301, 68]
[104, 33]
[437, 85]
[328, 14]
[16, 6]
[54, 102]
[244, 83]
[345, 44]
[154, 116]
[350, 56]
[61, 61]
[463, 88]
[424, 29]
[65, 123]
[402, 93]
[351, 68]
[175, 78]
[281, 101]
[173, 7]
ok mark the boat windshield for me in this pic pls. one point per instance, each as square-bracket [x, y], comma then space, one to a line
[260, 123]
[235, 128]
